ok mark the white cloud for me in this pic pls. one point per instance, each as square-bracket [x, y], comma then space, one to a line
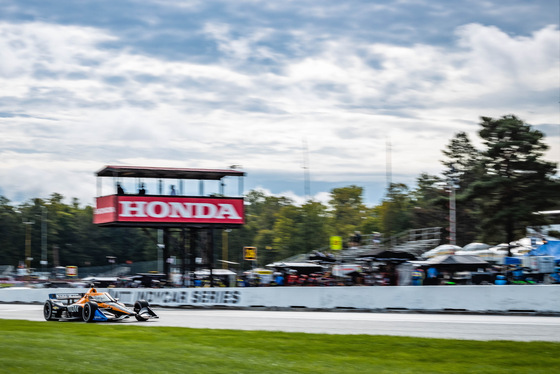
[28, 47]
[322, 197]
[75, 104]
[494, 59]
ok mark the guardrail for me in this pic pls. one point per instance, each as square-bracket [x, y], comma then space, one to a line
[486, 299]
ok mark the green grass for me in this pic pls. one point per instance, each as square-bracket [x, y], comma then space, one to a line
[58, 347]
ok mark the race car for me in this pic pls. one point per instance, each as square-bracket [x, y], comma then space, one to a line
[93, 306]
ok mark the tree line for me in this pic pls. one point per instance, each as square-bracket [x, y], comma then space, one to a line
[497, 190]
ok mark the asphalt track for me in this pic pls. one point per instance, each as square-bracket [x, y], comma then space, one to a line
[446, 326]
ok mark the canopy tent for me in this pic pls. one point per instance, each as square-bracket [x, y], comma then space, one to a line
[167, 173]
[301, 267]
[444, 249]
[495, 254]
[458, 262]
[476, 246]
[552, 248]
[381, 254]
[206, 272]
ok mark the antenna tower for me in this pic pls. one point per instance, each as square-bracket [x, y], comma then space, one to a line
[388, 166]
[306, 183]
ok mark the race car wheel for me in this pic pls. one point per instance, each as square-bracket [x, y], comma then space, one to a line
[88, 312]
[139, 318]
[48, 311]
[137, 307]
[140, 304]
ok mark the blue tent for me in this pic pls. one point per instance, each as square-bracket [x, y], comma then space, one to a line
[552, 248]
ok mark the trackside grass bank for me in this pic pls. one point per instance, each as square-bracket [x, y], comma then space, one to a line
[41, 347]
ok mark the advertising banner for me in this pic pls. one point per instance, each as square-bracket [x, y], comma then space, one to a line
[168, 209]
[336, 243]
[250, 253]
[106, 209]
[71, 271]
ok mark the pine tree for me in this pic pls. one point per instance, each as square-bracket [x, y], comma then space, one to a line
[516, 182]
[464, 167]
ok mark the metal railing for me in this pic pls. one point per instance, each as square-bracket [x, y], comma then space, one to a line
[415, 241]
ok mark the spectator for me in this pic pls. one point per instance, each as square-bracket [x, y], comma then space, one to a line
[292, 278]
[555, 277]
[376, 239]
[357, 238]
[417, 277]
[313, 280]
[369, 279]
[302, 280]
[279, 279]
[432, 276]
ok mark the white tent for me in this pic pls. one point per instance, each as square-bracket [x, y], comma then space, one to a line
[476, 246]
[444, 249]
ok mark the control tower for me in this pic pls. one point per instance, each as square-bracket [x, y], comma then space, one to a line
[131, 204]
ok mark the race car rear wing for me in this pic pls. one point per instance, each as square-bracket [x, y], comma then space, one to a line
[66, 296]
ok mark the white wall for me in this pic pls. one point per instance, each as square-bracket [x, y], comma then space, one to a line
[538, 298]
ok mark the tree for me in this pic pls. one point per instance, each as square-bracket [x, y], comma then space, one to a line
[287, 232]
[348, 211]
[315, 225]
[396, 212]
[430, 202]
[261, 210]
[463, 160]
[261, 214]
[300, 229]
[71, 237]
[11, 234]
[516, 182]
[464, 167]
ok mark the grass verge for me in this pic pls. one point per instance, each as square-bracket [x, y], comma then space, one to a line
[57, 347]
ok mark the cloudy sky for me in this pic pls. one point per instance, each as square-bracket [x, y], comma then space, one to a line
[266, 85]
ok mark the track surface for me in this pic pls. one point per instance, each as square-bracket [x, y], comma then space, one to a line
[447, 326]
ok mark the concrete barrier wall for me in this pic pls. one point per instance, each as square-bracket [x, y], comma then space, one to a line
[537, 298]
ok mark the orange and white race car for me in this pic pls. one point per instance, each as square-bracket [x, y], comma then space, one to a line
[93, 306]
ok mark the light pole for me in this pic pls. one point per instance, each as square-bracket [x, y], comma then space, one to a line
[44, 261]
[452, 207]
[452, 215]
[225, 248]
[112, 260]
[28, 257]
[160, 247]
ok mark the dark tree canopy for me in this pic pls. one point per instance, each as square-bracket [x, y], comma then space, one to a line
[463, 168]
[516, 182]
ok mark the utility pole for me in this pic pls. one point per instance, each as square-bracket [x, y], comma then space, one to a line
[44, 260]
[452, 207]
[452, 215]
[225, 248]
[28, 257]
[388, 163]
[307, 188]
[160, 247]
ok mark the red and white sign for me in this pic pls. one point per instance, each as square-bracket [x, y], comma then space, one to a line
[168, 209]
[71, 271]
[342, 270]
[106, 210]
